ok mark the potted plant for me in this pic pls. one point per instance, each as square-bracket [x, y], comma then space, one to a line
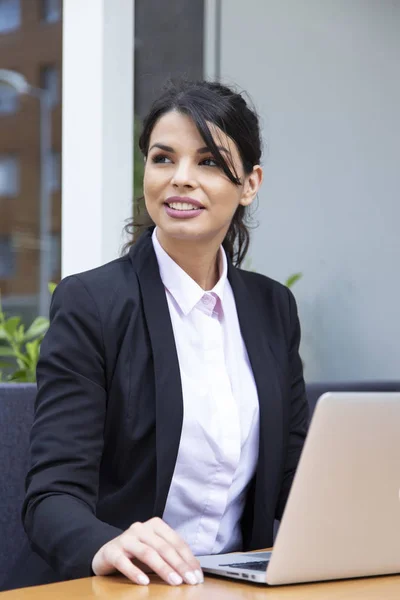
[20, 347]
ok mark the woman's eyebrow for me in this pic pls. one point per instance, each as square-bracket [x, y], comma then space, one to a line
[203, 150]
[206, 149]
[162, 147]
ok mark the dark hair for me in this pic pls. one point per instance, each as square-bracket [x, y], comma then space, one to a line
[210, 102]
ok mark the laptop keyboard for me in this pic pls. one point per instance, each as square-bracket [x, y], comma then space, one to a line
[259, 565]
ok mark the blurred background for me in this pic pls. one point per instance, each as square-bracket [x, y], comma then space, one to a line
[324, 76]
[31, 44]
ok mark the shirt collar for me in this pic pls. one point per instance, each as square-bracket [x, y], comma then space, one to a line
[185, 291]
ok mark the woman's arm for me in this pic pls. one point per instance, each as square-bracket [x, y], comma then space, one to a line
[299, 411]
[67, 436]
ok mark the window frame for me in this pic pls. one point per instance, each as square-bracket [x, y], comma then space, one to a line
[14, 26]
[8, 94]
[9, 255]
[55, 171]
[44, 71]
[46, 12]
[14, 190]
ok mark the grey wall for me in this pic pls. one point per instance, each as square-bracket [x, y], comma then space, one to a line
[326, 78]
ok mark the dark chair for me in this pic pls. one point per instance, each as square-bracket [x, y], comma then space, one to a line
[16, 415]
[316, 389]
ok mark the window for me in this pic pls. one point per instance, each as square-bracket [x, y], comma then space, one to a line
[9, 175]
[50, 81]
[9, 100]
[55, 254]
[10, 15]
[7, 257]
[55, 171]
[51, 10]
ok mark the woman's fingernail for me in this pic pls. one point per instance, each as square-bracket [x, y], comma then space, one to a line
[175, 579]
[199, 576]
[143, 580]
[191, 578]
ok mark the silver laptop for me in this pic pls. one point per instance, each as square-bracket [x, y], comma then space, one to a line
[342, 517]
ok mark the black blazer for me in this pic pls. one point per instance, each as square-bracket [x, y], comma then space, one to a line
[109, 410]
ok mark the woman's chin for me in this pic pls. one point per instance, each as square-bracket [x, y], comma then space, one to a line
[183, 228]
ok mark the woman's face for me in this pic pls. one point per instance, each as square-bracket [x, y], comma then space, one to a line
[187, 195]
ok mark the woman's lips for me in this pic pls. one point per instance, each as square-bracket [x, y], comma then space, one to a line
[182, 214]
[183, 200]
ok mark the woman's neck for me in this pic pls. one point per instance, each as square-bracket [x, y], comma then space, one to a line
[200, 262]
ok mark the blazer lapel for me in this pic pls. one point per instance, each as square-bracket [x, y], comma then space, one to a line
[266, 375]
[168, 387]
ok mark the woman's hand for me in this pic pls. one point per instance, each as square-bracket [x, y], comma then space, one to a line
[157, 547]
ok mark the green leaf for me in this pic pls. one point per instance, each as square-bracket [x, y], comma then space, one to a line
[11, 326]
[52, 286]
[3, 335]
[20, 376]
[32, 349]
[7, 352]
[19, 334]
[24, 361]
[293, 279]
[38, 328]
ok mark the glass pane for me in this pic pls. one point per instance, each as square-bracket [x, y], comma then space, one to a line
[50, 81]
[55, 255]
[22, 254]
[51, 10]
[8, 100]
[10, 15]
[7, 258]
[55, 171]
[162, 52]
[9, 175]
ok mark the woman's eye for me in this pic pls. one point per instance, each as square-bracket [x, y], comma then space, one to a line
[160, 159]
[209, 162]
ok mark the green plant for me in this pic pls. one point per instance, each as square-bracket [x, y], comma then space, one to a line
[21, 347]
[290, 281]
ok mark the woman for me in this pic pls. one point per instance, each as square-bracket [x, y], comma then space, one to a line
[171, 410]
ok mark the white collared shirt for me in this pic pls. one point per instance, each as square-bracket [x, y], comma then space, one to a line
[218, 448]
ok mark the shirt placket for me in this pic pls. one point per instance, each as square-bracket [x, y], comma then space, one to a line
[225, 423]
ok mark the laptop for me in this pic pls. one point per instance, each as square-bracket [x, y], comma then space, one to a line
[342, 517]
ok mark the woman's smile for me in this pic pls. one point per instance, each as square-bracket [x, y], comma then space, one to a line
[183, 207]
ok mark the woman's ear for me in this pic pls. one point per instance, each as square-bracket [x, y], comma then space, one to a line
[252, 185]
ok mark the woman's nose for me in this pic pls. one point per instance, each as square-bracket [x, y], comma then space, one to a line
[183, 175]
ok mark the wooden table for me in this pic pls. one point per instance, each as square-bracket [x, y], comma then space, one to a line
[118, 588]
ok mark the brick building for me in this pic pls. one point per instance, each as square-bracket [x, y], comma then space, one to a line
[30, 43]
